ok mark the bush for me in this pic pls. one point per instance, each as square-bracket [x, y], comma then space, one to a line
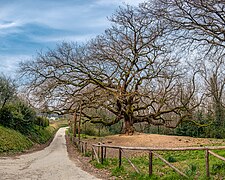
[17, 116]
[189, 129]
[94, 129]
[41, 135]
[41, 121]
[6, 117]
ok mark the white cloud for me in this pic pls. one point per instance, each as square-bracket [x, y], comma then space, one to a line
[67, 38]
[8, 25]
[119, 2]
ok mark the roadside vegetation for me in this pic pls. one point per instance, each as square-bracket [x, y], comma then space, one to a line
[13, 141]
[20, 126]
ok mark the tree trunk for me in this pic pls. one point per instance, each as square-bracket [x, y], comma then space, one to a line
[219, 116]
[128, 126]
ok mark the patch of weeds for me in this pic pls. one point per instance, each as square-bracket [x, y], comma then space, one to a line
[171, 159]
[105, 164]
[67, 131]
[191, 170]
[174, 176]
[87, 154]
[136, 176]
[118, 171]
[217, 168]
[98, 165]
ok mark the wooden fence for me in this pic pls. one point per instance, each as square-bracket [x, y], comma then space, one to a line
[99, 153]
[81, 145]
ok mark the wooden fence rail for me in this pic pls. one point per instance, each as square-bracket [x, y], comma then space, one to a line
[101, 154]
[81, 145]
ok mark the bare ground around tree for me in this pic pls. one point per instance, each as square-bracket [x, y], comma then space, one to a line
[151, 140]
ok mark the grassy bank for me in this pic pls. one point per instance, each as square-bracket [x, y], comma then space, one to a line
[12, 141]
[192, 163]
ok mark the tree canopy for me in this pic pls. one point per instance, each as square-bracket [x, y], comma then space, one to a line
[134, 71]
[7, 90]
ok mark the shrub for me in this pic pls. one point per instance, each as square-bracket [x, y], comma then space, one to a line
[171, 159]
[94, 129]
[17, 116]
[6, 117]
[41, 121]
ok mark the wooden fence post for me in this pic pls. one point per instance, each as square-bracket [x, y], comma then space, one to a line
[120, 157]
[105, 153]
[92, 153]
[150, 163]
[82, 146]
[79, 121]
[85, 147]
[102, 155]
[99, 149]
[75, 124]
[207, 162]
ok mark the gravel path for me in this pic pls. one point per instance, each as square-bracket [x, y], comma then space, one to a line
[52, 163]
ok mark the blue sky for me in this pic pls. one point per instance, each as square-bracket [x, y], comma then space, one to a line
[29, 26]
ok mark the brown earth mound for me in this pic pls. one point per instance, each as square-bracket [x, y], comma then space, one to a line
[151, 140]
[156, 140]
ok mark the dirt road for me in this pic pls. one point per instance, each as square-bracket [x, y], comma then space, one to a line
[52, 163]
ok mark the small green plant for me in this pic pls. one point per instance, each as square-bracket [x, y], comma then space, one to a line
[191, 170]
[136, 176]
[118, 171]
[87, 154]
[216, 168]
[67, 132]
[171, 159]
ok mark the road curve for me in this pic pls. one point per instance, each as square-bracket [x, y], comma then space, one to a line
[51, 163]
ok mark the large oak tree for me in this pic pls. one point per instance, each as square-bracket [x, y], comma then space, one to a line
[128, 73]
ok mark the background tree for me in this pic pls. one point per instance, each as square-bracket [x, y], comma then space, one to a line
[7, 90]
[14, 112]
[197, 28]
[212, 72]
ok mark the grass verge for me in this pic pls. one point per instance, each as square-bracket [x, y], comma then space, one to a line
[192, 163]
[13, 141]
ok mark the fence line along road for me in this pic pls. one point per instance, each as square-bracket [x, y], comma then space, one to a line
[151, 150]
[99, 152]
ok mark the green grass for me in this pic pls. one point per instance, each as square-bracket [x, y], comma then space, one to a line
[41, 135]
[13, 141]
[192, 163]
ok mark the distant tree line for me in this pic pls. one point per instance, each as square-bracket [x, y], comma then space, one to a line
[161, 63]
